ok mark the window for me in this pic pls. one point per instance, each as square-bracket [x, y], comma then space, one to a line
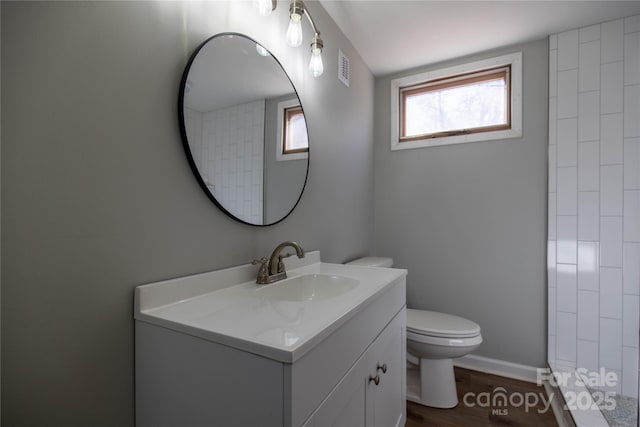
[293, 139]
[471, 102]
[295, 131]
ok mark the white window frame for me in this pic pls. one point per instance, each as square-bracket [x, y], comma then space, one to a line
[514, 59]
[280, 157]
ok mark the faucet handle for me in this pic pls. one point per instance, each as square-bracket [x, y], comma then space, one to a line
[263, 273]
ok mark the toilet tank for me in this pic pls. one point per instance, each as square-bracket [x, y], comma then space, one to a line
[371, 261]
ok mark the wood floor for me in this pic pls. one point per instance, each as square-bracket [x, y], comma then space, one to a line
[480, 412]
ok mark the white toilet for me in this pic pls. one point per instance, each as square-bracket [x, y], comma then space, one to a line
[433, 341]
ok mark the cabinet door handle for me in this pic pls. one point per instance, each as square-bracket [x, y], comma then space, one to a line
[382, 368]
[376, 379]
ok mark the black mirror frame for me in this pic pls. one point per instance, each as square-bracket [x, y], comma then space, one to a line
[185, 140]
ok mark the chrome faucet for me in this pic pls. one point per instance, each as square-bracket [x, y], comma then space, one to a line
[272, 270]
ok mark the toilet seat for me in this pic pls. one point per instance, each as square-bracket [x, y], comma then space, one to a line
[445, 341]
[439, 325]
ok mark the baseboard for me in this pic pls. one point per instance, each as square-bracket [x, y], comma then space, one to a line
[563, 417]
[498, 367]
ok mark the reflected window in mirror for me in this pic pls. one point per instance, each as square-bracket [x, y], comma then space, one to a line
[295, 132]
[292, 133]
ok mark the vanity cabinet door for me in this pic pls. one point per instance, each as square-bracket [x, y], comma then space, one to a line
[386, 400]
[357, 400]
[345, 406]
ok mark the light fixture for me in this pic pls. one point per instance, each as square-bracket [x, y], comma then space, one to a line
[315, 64]
[294, 31]
[264, 6]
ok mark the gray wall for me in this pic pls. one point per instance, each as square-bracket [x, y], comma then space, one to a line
[97, 196]
[468, 220]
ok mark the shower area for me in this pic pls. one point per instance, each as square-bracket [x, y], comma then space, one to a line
[594, 220]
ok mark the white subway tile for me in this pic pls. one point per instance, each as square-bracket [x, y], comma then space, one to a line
[611, 201]
[589, 215]
[631, 268]
[589, 70]
[632, 164]
[567, 288]
[589, 166]
[568, 94]
[553, 119]
[630, 372]
[611, 34]
[611, 292]
[588, 266]
[551, 216]
[553, 73]
[589, 34]
[567, 244]
[589, 116]
[630, 323]
[566, 336]
[567, 191]
[568, 50]
[632, 24]
[611, 90]
[611, 343]
[632, 59]
[588, 315]
[588, 355]
[632, 111]
[567, 142]
[632, 216]
[611, 146]
[611, 241]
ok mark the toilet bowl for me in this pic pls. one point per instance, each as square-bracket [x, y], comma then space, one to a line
[433, 340]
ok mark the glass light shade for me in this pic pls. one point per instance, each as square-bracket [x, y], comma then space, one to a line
[294, 32]
[315, 64]
[264, 7]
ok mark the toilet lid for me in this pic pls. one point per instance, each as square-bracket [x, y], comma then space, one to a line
[436, 324]
[372, 261]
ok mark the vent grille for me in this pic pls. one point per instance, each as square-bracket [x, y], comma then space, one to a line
[344, 71]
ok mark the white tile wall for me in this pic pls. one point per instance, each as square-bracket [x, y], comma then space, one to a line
[589, 170]
[589, 215]
[631, 268]
[589, 266]
[567, 142]
[631, 164]
[611, 292]
[589, 116]
[589, 79]
[611, 151]
[594, 199]
[233, 148]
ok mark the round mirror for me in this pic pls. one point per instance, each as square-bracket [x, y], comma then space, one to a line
[243, 129]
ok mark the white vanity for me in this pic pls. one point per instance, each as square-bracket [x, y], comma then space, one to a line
[324, 347]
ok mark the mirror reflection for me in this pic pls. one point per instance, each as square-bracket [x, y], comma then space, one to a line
[244, 130]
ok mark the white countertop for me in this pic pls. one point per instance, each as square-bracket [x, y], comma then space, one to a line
[223, 307]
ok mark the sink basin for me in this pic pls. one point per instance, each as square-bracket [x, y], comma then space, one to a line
[310, 287]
